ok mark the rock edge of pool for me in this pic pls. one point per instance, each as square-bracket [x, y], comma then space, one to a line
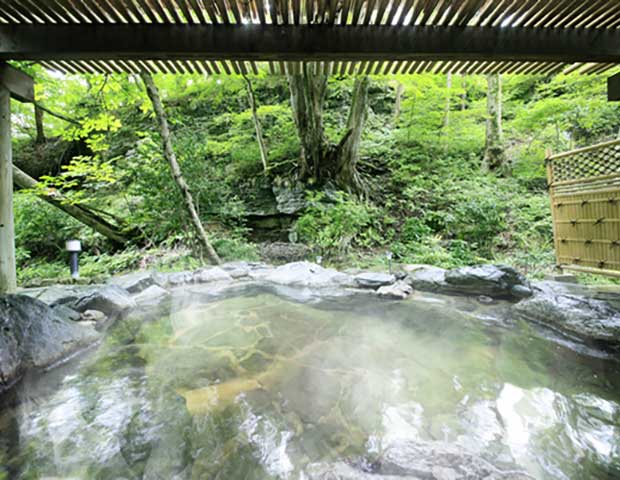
[40, 327]
[44, 328]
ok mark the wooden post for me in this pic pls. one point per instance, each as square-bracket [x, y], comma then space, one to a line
[554, 220]
[8, 275]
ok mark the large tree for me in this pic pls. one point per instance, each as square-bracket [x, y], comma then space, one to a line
[494, 159]
[322, 160]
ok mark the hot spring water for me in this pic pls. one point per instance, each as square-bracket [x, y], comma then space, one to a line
[258, 386]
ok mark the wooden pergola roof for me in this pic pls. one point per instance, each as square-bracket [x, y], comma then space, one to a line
[331, 36]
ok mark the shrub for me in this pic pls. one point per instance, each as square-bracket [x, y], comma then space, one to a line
[334, 223]
[41, 229]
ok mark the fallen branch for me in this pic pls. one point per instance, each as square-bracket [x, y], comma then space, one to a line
[116, 234]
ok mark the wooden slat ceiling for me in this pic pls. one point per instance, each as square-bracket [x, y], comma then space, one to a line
[557, 14]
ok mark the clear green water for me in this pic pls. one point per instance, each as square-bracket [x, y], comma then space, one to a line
[260, 387]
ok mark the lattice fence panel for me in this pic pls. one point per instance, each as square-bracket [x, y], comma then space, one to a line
[585, 199]
[587, 163]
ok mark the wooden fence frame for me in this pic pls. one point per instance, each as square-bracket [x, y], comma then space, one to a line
[584, 188]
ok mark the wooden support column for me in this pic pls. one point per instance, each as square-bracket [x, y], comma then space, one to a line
[613, 88]
[8, 274]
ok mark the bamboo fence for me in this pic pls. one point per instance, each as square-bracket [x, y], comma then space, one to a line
[584, 186]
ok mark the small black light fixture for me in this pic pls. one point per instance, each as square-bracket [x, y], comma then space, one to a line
[389, 256]
[74, 247]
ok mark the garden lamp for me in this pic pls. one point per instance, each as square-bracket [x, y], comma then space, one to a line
[389, 256]
[74, 247]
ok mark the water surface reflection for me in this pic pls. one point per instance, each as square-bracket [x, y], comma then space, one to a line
[257, 386]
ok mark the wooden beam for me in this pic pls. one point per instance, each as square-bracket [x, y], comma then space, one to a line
[305, 42]
[19, 84]
[590, 270]
[613, 88]
[8, 275]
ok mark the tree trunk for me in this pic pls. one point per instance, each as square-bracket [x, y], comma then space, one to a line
[347, 176]
[464, 94]
[164, 130]
[397, 102]
[321, 160]
[257, 126]
[446, 110]
[38, 117]
[494, 159]
[307, 101]
[116, 234]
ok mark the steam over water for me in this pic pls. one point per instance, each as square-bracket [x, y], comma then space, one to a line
[258, 386]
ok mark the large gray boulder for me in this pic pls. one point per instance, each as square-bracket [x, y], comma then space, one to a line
[153, 295]
[496, 281]
[65, 312]
[242, 269]
[134, 282]
[283, 252]
[110, 299]
[60, 294]
[574, 315]
[306, 274]
[428, 279]
[33, 335]
[174, 279]
[213, 274]
[492, 280]
[373, 279]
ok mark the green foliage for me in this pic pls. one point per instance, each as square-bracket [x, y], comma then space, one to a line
[333, 224]
[41, 230]
[235, 247]
[428, 201]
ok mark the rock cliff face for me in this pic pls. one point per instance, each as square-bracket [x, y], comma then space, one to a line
[272, 209]
[34, 335]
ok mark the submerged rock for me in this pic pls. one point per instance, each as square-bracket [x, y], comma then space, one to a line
[575, 315]
[417, 460]
[374, 280]
[93, 316]
[399, 290]
[168, 441]
[110, 300]
[485, 300]
[495, 281]
[33, 335]
[307, 274]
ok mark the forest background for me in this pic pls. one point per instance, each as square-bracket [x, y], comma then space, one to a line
[441, 170]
